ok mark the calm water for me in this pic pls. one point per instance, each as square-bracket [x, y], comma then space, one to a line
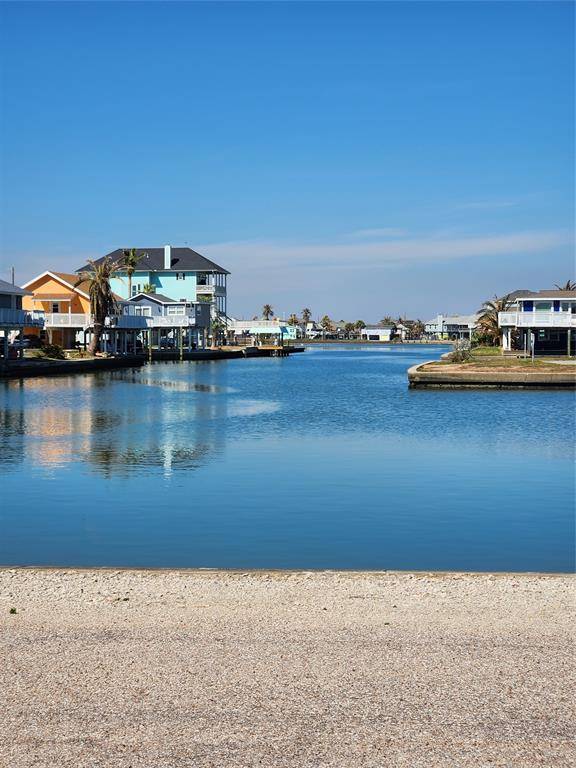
[324, 460]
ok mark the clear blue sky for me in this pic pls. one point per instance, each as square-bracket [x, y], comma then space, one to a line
[360, 159]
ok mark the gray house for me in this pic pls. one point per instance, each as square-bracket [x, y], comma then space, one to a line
[14, 319]
[171, 322]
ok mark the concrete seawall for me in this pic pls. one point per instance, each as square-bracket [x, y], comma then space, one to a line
[29, 368]
[445, 377]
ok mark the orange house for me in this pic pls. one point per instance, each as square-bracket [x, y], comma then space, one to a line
[67, 306]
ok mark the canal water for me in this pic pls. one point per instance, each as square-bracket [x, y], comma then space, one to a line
[322, 460]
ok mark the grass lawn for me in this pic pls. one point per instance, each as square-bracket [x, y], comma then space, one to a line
[491, 359]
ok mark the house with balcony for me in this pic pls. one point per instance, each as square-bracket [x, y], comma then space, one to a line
[14, 318]
[252, 331]
[443, 327]
[171, 322]
[65, 307]
[178, 272]
[540, 322]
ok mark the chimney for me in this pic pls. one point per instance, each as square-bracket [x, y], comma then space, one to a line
[167, 257]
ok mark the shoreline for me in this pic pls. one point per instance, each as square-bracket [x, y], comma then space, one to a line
[434, 375]
[171, 668]
[340, 572]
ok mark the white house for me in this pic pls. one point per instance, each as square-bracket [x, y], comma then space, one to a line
[253, 329]
[541, 321]
[383, 332]
[451, 326]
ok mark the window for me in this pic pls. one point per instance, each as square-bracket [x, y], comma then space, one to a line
[175, 310]
[543, 306]
[565, 306]
[142, 311]
[55, 307]
[180, 276]
[136, 289]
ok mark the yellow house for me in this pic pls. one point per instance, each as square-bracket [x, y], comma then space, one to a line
[67, 306]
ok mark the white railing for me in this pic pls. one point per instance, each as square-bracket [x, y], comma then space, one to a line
[537, 319]
[66, 320]
[171, 321]
[127, 322]
[21, 317]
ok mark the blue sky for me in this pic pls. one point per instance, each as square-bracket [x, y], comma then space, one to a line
[360, 159]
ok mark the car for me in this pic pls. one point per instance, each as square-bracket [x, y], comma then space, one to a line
[20, 344]
[34, 342]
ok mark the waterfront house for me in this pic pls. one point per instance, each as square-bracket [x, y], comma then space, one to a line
[252, 330]
[451, 326]
[66, 311]
[66, 306]
[179, 272]
[14, 317]
[543, 322]
[379, 332]
[171, 322]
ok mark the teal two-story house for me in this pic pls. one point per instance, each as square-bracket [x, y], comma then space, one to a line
[180, 273]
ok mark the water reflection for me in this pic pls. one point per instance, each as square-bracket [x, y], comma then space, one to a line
[325, 459]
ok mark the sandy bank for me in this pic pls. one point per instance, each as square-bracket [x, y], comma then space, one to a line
[167, 669]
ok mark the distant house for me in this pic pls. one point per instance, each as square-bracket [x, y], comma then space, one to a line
[179, 272]
[14, 317]
[540, 321]
[380, 332]
[252, 329]
[165, 317]
[451, 326]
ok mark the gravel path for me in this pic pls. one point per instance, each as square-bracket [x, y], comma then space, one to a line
[201, 668]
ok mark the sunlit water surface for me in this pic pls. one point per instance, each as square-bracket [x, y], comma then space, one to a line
[322, 460]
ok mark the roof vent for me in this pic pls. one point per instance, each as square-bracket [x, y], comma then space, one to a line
[167, 257]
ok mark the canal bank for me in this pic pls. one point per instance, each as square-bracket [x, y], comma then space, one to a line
[29, 367]
[32, 367]
[284, 669]
[523, 375]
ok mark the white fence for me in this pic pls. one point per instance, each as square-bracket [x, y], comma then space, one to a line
[65, 320]
[537, 319]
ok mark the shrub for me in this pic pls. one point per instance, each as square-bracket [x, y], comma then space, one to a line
[52, 351]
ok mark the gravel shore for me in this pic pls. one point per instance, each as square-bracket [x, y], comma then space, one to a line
[165, 669]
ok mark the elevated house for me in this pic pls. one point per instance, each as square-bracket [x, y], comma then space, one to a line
[15, 318]
[65, 307]
[180, 273]
[542, 322]
[250, 331]
[451, 326]
[169, 322]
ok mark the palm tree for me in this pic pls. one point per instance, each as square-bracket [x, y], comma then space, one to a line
[488, 319]
[293, 319]
[350, 328]
[267, 311]
[326, 324]
[417, 329]
[149, 288]
[216, 326]
[387, 320]
[102, 300]
[130, 260]
[570, 285]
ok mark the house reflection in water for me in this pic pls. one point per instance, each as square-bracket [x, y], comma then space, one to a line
[112, 426]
